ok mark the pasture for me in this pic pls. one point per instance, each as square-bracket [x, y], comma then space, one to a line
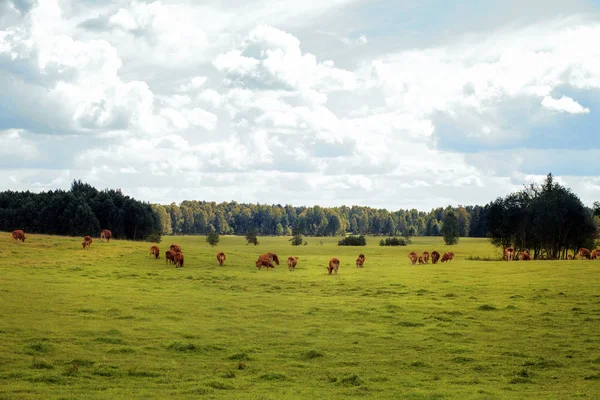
[112, 322]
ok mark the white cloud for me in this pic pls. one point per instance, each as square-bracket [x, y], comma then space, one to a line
[204, 96]
[564, 104]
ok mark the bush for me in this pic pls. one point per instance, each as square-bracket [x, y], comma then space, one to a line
[353, 241]
[296, 240]
[393, 241]
[251, 238]
[212, 239]
[154, 237]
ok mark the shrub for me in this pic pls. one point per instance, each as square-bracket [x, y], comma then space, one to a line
[251, 238]
[296, 240]
[212, 239]
[393, 241]
[353, 241]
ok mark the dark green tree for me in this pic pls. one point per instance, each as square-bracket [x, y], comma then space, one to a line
[251, 237]
[450, 228]
[213, 239]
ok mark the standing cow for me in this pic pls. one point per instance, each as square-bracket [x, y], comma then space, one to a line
[509, 253]
[155, 251]
[334, 265]
[221, 257]
[105, 234]
[178, 260]
[87, 242]
[292, 262]
[435, 256]
[584, 253]
[413, 257]
[175, 248]
[169, 257]
[360, 261]
[266, 260]
[425, 256]
[18, 235]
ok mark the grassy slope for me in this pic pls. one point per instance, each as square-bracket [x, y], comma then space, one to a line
[141, 329]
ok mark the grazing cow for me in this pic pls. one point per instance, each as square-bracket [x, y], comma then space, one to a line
[509, 253]
[155, 251]
[584, 253]
[169, 257]
[87, 242]
[105, 234]
[221, 257]
[524, 256]
[425, 257]
[266, 260]
[421, 260]
[569, 257]
[274, 258]
[334, 265]
[175, 248]
[413, 257]
[18, 235]
[178, 260]
[435, 256]
[450, 256]
[445, 257]
[292, 262]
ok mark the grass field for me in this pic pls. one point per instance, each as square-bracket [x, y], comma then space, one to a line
[113, 323]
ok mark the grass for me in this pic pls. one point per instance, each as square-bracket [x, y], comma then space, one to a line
[111, 322]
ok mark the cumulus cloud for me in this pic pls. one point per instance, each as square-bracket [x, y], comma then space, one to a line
[210, 101]
[564, 104]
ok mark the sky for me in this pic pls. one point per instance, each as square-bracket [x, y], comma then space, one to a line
[394, 104]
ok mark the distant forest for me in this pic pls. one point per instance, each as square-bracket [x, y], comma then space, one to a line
[84, 210]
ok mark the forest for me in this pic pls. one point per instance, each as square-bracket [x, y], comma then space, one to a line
[82, 210]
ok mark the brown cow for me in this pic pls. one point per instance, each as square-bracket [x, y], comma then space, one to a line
[334, 265]
[425, 257]
[450, 256]
[87, 242]
[360, 262]
[221, 257]
[274, 258]
[178, 260]
[169, 257]
[413, 257]
[420, 259]
[18, 235]
[435, 256]
[292, 262]
[509, 253]
[595, 254]
[266, 260]
[524, 256]
[155, 251]
[105, 234]
[584, 253]
[445, 257]
[175, 248]
[569, 257]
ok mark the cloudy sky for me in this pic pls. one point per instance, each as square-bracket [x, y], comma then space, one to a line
[387, 103]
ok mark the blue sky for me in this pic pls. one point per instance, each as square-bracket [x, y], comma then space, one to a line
[397, 104]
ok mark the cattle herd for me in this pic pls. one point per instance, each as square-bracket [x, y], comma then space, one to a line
[175, 256]
[424, 258]
[583, 253]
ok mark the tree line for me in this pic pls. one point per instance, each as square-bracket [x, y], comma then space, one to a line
[547, 219]
[233, 218]
[81, 210]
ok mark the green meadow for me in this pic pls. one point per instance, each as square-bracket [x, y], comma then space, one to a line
[111, 322]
